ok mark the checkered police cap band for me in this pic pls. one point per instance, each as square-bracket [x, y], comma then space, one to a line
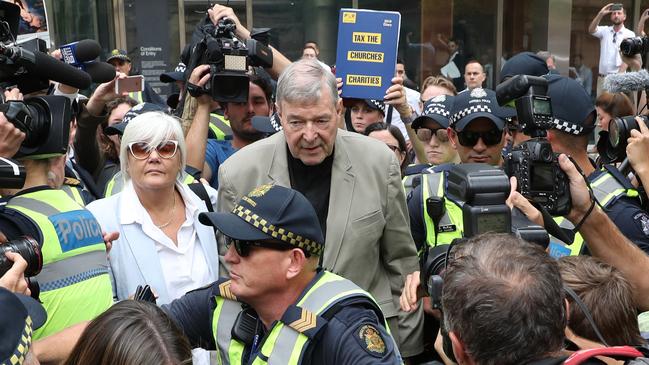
[568, 127]
[470, 110]
[274, 122]
[434, 109]
[18, 357]
[378, 104]
[279, 233]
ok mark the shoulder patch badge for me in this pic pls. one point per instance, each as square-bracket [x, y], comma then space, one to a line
[371, 340]
[642, 221]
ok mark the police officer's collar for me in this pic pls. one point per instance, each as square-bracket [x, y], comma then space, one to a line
[33, 189]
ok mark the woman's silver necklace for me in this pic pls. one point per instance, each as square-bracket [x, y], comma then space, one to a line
[173, 210]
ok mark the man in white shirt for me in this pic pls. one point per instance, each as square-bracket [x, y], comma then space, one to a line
[610, 38]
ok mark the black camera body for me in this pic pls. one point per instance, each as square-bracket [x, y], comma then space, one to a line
[533, 163]
[634, 45]
[229, 59]
[619, 131]
[539, 176]
[30, 251]
[481, 190]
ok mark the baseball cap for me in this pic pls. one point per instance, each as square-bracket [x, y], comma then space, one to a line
[271, 212]
[524, 63]
[21, 315]
[373, 104]
[178, 74]
[476, 103]
[269, 125]
[132, 113]
[438, 109]
[118, 54]
[571, 105]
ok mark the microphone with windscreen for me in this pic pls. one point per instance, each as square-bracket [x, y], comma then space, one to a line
[82, 55]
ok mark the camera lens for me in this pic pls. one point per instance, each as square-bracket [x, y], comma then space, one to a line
[614, 132]
[632, 46]
[30, 251]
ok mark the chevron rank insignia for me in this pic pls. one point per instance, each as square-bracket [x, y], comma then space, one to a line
[370, 339]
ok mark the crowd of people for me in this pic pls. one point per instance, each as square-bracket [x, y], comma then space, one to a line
[297, 226]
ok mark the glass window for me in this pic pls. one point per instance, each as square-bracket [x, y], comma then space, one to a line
[295, 22]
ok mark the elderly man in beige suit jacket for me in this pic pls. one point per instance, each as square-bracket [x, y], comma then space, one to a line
[367, 230]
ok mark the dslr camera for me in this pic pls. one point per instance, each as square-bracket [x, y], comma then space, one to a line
[634, 45]
[30, 251]
[481, 191]
[229, 59]
[619, 131]
[533, 162]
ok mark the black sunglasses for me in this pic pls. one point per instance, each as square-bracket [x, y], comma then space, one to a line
[243, 247]
[490, 137]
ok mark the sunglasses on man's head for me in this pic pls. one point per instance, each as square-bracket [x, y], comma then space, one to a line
[243, 247]
[142, 150]
[489, 138]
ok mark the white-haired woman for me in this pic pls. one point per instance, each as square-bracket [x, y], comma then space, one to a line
[161, 242]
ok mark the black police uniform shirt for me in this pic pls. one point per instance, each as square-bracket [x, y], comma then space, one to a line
[342, 341]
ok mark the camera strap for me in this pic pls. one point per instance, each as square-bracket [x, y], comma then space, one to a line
[551, 225]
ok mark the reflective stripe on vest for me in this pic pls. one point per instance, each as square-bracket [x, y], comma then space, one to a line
[220, 127]
[137, 96]
[73, 192]
[433, 185]
[285, 343]
[75, 285]
[606, 190]
[116, 183]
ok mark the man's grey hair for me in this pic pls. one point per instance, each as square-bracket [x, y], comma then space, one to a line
[302, 82]
[152, 128]
[503, 298]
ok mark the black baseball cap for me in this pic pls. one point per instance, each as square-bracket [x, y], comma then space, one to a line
[476, 103]
[132, 113]
[271, 212]
[571, 105]
[118, 54]
[437, 109]
[21, 315]
[270, 125]
[524, 63]
[373, 104]
[178, 74]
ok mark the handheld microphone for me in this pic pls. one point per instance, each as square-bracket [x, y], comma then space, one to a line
[625, 82]
[77, 53]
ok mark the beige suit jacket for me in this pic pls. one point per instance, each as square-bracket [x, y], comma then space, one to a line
[368, 238]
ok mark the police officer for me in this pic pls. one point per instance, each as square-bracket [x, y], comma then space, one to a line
[430, 128]
[74, 283]
[21, 316]
[477, 132]
[574, 117]
[279, 306]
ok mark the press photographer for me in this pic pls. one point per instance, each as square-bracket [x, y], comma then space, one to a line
[74, 282]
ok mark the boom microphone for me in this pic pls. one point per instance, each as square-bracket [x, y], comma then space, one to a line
[81, 51]
[100, 72]
[625, 82]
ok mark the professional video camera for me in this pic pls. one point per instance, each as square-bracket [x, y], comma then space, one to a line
[45, 120]
[30, 251]
[481, 191]
[229, 59]
[30, 70]
[634, 45]
[533, 162]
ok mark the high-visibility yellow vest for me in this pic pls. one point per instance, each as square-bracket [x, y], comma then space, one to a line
[219, 127]
[74, 283]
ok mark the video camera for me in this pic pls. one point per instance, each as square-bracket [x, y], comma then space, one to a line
[229, 59]
[481, 191]
[533, 162]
